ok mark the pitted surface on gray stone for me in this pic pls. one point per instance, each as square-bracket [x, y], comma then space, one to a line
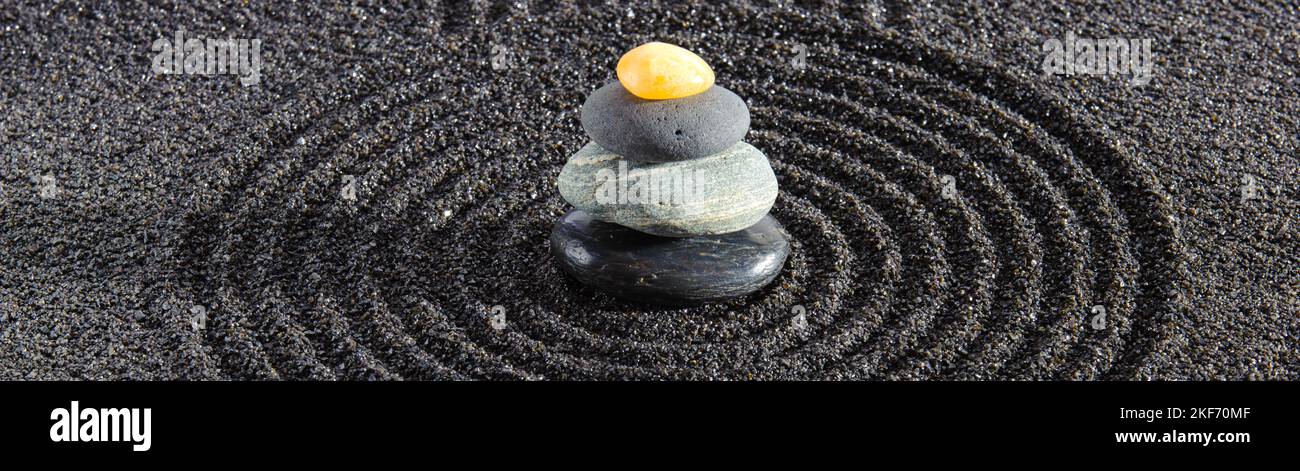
[733, 189]
[664, 130]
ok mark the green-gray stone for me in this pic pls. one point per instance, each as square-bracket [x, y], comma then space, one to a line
[717, 194]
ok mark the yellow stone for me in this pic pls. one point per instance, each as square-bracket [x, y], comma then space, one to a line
[661, 71]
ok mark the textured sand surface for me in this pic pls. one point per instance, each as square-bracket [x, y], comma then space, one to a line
[179, 195]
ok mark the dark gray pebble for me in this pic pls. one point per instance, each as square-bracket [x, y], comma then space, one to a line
[664, 130]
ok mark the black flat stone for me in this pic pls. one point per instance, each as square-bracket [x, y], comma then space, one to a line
[665, 270]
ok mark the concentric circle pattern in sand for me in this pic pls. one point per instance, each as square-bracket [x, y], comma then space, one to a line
[950, 220]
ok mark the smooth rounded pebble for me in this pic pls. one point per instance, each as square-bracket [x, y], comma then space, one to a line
[664, 130]
[671, 271]
[662, 71]
[722, 193]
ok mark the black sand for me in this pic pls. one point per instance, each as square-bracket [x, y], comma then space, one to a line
[191, 194]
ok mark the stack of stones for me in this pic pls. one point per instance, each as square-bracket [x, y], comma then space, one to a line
[671, 205]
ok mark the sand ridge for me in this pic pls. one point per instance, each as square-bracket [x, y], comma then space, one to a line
[195, 192]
